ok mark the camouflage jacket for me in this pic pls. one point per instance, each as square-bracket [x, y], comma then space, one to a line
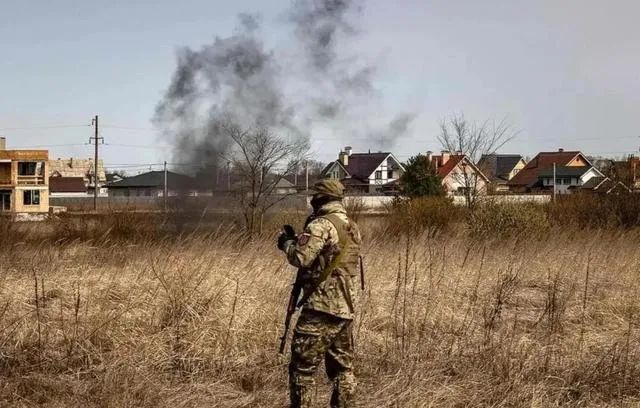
[313, 252]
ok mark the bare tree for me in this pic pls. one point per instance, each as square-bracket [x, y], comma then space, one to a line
[473, 140]
[261, 160]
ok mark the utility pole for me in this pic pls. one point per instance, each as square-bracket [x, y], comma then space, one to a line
[554, 182]
[165, 190]
[228, 176]
[306, 174]
[95, 140]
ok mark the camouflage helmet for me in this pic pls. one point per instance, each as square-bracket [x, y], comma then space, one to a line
[329, 188]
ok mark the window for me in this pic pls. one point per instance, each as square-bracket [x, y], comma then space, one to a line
[378, 175]
[31, 197]
[389, 174]
[27, 168]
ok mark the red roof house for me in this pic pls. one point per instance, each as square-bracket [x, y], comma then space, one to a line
[572, 169]
[458, 173]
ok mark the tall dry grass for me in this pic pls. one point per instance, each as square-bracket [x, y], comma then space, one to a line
[193, 320]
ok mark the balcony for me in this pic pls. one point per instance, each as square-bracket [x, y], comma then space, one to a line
[30, 180]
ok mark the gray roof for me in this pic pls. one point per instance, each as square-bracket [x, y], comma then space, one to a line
[155, 179]
[565, 171]
[594, 182]
[498, 166]
[360, 165]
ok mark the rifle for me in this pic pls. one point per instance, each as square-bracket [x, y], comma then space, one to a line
[293, 298]
[362, 285]
[291, 309]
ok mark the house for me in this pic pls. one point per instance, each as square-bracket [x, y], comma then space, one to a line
[567, 178]
[572, 170]
[458, 173]
[625, 171]
[284, 187]
[152, 184]
[67, 187]
[500, 168]
[604, 185]
[80, 168]
[24, 188]
[364, 172]
[113, 177]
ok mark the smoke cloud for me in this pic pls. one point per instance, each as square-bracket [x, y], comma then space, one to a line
[344, 80]
[387, 135]
[234, 80]
[238, 79]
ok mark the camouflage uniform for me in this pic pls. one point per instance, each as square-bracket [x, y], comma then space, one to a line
[324, 328]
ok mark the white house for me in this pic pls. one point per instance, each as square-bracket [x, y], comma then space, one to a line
[568, 178]
[365, 172]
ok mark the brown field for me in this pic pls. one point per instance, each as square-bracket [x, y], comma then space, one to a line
[446, 321]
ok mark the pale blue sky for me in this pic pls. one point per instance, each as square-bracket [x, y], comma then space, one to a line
[566, 74]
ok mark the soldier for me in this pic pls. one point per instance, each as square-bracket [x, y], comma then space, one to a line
[327, 253]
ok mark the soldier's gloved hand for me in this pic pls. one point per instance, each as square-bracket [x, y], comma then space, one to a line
[287, 236]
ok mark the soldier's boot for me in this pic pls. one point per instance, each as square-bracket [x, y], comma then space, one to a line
[301, 388]
[344, 390]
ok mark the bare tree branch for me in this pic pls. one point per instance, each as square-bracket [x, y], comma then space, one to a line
[261, 159]
[473, 140]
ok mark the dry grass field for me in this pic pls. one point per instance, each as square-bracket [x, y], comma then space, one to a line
[446, 321]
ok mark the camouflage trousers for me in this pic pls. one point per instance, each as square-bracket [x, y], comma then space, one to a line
[321, 336]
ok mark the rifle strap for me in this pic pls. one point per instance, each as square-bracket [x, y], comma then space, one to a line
[342, 239]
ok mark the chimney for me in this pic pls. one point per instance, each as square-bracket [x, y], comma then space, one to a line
[344, 158]
[446, 155]
[348, 150]
[561, 150]
[3, 143]
[429, 155]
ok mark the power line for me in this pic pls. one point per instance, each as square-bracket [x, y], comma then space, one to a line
[128, 128]
[52, 145]
[44, 127]
[139, 146]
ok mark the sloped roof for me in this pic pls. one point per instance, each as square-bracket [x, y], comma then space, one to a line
[155, 179]
[499, 166]
[76, 168]
[604, 185]
[528, 176]
[67, 185]
[362, 165]
[594, 182]
[284, 183]
[565, 171]
[452, 163]
[111, 177]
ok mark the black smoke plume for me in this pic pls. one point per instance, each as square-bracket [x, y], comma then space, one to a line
[234, 80]
[238, 79]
